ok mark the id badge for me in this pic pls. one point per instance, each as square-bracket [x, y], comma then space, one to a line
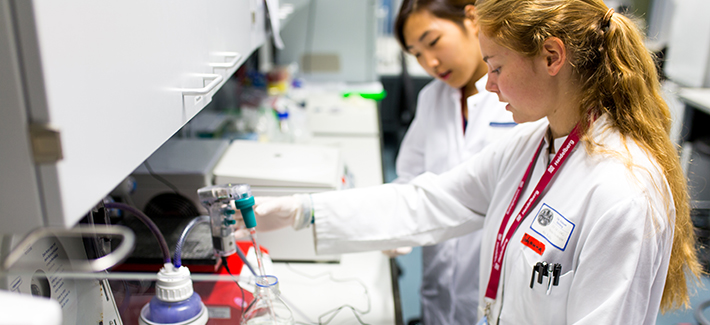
[483, 321]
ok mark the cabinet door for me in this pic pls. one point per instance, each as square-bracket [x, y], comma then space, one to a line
[110, 76]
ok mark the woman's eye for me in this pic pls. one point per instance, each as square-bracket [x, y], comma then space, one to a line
[497, 70]
[434, 41]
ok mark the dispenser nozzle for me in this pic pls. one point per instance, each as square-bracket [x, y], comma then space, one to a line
[245, 206]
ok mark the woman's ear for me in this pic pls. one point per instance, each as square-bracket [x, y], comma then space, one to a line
[555, 55]
[470, 11]
[470, 20]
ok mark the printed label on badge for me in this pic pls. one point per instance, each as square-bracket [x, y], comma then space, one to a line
[533, 244]
[552, 226]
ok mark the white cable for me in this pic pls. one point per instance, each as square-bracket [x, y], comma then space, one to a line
[356, 312]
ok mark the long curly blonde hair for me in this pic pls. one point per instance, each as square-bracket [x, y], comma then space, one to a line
[618, 78]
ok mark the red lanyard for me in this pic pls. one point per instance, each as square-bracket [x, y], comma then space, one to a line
[501, 240]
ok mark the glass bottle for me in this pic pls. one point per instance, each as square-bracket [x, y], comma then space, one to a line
[267, 306]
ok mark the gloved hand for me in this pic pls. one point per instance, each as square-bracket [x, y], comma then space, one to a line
[397, 251]
[274, 213]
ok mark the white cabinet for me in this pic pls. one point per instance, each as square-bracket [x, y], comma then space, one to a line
[116, 79]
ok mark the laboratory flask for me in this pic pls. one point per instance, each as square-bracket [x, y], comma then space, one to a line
[267, 306]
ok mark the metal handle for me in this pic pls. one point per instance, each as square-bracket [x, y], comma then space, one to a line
[216, 79]
[95, 265]
[227, 65]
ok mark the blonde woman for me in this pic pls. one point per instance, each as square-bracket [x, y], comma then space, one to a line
[586, 209]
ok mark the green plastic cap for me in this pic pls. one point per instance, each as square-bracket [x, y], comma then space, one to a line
[245, 206]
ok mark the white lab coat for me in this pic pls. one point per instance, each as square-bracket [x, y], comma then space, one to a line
[435, 142]
[615, 258]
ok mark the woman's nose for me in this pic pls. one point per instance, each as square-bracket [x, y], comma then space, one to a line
[491, 86]
[431, 60]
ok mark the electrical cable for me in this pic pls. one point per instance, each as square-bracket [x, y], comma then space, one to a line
[151, 225]
[226, 267]
[160, 178]
[100, 251]
[356, 312]
[94, 239]
[244, 259]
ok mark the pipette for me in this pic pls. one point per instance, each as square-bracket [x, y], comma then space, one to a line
[245, 204]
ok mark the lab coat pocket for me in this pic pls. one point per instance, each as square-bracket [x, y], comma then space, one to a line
[525, 305]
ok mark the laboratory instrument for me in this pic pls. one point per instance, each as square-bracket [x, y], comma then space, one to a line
[267, 306]
[175, 171]
[220, 203]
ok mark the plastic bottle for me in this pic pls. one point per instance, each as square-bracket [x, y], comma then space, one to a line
[285, 128]
[175, 301]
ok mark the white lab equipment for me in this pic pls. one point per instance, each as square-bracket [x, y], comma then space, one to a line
[350, 124]
[273, 169]
[278, 169]
[688, 58]
[329, 114]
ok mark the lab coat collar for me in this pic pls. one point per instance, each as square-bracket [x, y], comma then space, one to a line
[480, 87]
[557, 143]
[598, 127]
[471, 101]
